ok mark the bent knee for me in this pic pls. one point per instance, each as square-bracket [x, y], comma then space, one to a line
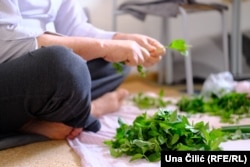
[65, 68]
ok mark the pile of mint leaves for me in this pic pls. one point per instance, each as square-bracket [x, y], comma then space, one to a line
[164, 131]
[230, 107]
[168, 130]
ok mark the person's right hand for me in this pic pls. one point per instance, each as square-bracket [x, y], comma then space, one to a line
[126, 51]
[154, 47]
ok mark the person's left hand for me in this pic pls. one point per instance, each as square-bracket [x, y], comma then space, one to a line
[155, 48]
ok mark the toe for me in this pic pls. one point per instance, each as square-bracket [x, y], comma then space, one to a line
[74, 133]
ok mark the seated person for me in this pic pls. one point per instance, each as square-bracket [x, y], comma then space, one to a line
[56, 68]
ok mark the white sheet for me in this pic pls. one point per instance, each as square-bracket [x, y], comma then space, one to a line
[93, 153]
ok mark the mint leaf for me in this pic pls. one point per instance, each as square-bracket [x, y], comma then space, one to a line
[180, 46]
[145, 102]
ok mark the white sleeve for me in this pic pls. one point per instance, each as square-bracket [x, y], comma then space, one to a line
[71, 20]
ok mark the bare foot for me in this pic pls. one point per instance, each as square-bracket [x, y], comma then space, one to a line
[52, 130]
[108, 103]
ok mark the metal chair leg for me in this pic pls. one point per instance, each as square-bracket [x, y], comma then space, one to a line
[225, 41]
[114, 15]
[188, 59]
[168, 58]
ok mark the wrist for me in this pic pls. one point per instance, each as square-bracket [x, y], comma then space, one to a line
[118, 35]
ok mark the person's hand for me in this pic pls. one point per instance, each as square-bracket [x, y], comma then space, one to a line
[140, 50]
[155, 48]
[127, 51]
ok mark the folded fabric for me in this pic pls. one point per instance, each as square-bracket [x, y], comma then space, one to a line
[141, 8]
[165, 8]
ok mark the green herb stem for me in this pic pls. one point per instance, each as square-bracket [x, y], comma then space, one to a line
[234, 128]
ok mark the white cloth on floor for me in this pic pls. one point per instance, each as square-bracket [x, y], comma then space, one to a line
[93, 153]
[89, 146]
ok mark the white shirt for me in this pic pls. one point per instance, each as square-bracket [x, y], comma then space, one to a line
[21, 21]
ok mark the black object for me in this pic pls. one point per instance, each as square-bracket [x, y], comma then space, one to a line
[246, 46]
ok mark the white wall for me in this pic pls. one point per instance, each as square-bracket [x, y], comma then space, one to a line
[202, 26]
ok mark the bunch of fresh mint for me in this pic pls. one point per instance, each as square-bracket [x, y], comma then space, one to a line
[164, 131]
[178, 45]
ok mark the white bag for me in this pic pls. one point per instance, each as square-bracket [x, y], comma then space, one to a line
[218, 84]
